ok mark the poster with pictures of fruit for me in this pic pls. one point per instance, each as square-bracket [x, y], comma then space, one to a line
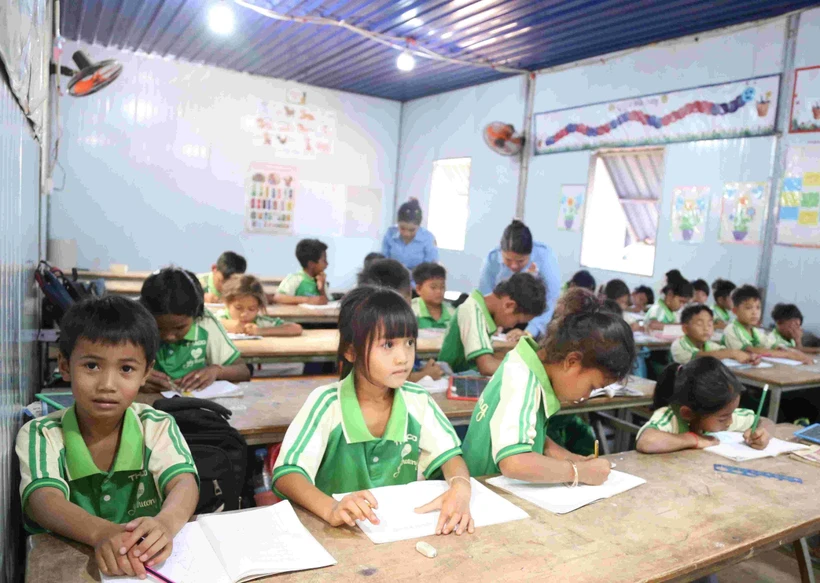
[743, 213]
[291, 130]
[270, 198]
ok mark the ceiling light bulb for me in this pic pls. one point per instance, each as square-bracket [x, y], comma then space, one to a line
[406, 62]
[221, 19]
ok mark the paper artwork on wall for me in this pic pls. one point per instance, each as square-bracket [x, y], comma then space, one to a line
[798, 218]
[805, 115]
[743, 212]
[571, 208]
[690, 209]
[290, 130]
[270, 198]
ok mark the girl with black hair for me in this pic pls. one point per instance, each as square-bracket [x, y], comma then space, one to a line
[195, 350]
[407, 241]
[372, 428]
[696, 399]
[676, 294]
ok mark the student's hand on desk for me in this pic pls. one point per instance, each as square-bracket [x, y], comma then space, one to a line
[594, 472]
[150, 540]
[200, 379]
[251, 329]
[757, 440]
[317, 300]
[353, 507]
[432, 370]
[157, 382]
[515, 335]
[455, 509]
[636, 327]
[112, 556]
[704, 441]
[747, 357]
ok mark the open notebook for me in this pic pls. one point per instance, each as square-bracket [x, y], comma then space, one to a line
[783, 361]
[240, 546]
[399, 521]
[217, 390]
[732, 363]
[328, 306]
[732, 447]
[616, 390]
[560, 499]
[235, 336]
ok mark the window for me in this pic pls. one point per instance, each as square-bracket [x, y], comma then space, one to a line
[623, 206]
[449, 202]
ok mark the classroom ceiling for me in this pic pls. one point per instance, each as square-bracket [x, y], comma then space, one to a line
[527, 34]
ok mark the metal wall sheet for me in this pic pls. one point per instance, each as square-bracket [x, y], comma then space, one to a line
[19, 311]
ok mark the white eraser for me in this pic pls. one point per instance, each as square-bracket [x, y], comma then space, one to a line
[426, 549]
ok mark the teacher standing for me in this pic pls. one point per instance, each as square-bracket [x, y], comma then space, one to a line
[408, 242]
[518, 253]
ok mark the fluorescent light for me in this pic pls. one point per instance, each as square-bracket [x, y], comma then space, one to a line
[415, 23]
[431, 33]
[409, 14]
[405, 62]
[221, 18]
[446, 35]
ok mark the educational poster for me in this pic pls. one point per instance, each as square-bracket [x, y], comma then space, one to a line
[743, 212]
[727, 110]
[270, 198]
[798, 220]
[805, 115]
[291, 130]
[571, 209]
[690, 209]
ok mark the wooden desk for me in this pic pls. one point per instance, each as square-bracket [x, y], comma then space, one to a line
[321, 346]
[687, 521]
[781, 379]
[143, 275]
[302, 315]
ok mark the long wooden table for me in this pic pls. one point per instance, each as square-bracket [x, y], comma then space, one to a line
[687, 521]
[295, 313]
[781, 379]
[130, 282]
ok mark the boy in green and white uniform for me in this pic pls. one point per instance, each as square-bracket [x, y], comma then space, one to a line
[105, 462]
[467, 343]
[722, 309]
[228, 264]
[669, 420]
[698, 328]
[430, 308]
[308, 286]
[788, 326]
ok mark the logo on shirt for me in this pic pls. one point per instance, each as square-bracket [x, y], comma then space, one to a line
[482, 409]
[406, 450]
[196, 352]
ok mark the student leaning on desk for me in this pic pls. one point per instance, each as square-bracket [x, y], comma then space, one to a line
[228, 264]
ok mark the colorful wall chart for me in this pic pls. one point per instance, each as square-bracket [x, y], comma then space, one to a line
[798, 220]
[728, 110]
[743, 212]
[690, 209]
[805, 115]
[270, 198]
[571, 209]
[291, 130]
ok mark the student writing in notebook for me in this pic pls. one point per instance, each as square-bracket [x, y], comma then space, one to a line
[675, 294]
[372, 428]
[696, 399]
[244, 299]
[722, 308]
[587, 347]
[107, 471]
[698, 329]
[308, 286]
[227, 265]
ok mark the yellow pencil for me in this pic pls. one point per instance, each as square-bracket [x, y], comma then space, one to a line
[596, 449]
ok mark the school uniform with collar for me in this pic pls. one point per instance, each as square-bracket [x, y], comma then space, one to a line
[329, 443]
[683, 349]
[263, 321]
[721, 315]
[513, 413]
[205, 343]
[660, 312]
[668, 420]
[780, 342]
[151, 453]
[206, 280]
[469, 334]
[426, 320]
[299, 284]
[422, 249]
[737, 337]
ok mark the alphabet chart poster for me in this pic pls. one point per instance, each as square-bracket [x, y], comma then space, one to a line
[270, 198]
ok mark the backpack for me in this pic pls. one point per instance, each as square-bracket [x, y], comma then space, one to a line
[59, 292]
[219, 451]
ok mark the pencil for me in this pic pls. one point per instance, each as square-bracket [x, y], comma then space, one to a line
[760, 408]
[157, 575]
[596, 449]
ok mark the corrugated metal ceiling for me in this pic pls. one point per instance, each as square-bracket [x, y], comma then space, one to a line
[528, 34]
[638, 179]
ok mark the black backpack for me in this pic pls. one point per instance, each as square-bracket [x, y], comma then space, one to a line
[219, 451]
[59, 292]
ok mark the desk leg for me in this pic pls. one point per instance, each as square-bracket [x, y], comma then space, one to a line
[801, 552]
[774, 403]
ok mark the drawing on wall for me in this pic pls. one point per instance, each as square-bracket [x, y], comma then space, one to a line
[798, 218]
[743, 212]
[270, 198]
[728, 110]
[690, 209]
[291, 130]
[805, 115]
[571, 209]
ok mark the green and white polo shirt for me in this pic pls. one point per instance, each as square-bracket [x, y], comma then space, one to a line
[721, 315]
[668, 420]
[329, 443]
[736, 336]
[780, 342]
[152, 452]
[660, 312]
[469, 334]
[262, 321]
[684, 350]
[513, 413]
[299, 284]
[205, 343]
[424, 317]
[206, 280]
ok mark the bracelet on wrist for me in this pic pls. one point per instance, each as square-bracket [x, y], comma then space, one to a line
[574, 483]
[454, 478]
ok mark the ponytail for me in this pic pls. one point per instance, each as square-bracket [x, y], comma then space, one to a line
[410, 212]
[581, 323]
[517, 238]
[704, 385]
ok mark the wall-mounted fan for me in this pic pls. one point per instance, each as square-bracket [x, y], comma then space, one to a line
[503, 139]
[91, 77]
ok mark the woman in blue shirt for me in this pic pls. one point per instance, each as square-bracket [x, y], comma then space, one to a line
[518, 253]
[408, 242]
